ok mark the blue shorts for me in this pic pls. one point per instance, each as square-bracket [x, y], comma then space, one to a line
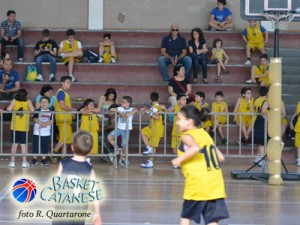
[212, 210]
[18, 137]
[121, 133]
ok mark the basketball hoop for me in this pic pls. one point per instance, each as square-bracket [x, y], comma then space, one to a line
[279, 19]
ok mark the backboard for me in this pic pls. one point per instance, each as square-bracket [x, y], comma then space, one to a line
[254, 9]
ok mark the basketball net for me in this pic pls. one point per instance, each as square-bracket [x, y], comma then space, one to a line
[280, 19]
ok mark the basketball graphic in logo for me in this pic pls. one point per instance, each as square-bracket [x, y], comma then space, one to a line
[24, 190]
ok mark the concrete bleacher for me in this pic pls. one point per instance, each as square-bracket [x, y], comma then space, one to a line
[136, 72]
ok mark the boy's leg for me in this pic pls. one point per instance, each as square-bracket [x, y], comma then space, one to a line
[219, 128]
[13, 151]
[71, 66]
[23, 150]
[184, 221]
[45, 142]
[218, 69]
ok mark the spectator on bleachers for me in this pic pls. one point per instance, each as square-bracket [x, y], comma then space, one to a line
[221, 17]
[11, 33]
[255, 36]
[218, 55]
[70, 51]
[9, 81]
[173, 50]
[260, 73]
[107, 50]
[45, 51]
[198, 50]
[2, 58]
[179, 83]
[109, 98]
[46, 90]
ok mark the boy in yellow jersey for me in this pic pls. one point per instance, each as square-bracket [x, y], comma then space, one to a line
[152, 134]
[255, 36]
[63, 121]
[19, 124]
[107, 50]
[70, 51]
[244, 105]
[89, 122]
[198, 157]
[260, 73]
[219, 106]
[296, 128]
[200, 103]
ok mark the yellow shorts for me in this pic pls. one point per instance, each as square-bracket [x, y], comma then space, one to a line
[153, 140]
[247, 120]
[221, 119]
[207, 123]
[265, 79]
[95, 142]
[67, 59]
[65, 130]
[174, 139]
[297, 139]
[106, 57]
[284, 121]
[256, 45]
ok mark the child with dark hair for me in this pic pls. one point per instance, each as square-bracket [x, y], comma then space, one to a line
[218, 55]
[199, 158]
[19, 127]
[42, 131]
[201, 103]
[47, 91]
[107, 50]
[221, 17]
[260, 73]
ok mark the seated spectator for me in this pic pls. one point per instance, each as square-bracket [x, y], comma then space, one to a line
[198, 50]
[221, 17]
[46, 90]
[70, 51]
[45, 51]
[218, 55]
[173, 50]
[2, 58]
[260, 73]
[9, 81]
[11, 33]
[178, 84]
[253, 35]
[107, 50]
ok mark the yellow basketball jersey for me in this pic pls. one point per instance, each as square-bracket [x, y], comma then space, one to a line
[20, 121]
[207, 123]
[203, 175]
[66, 46]
[297, 126]
[254, 35]
[175, 128]
[219, 108]
[89, 123]
[60, 118]
[259, 103]
[246, 106]
[157, 124]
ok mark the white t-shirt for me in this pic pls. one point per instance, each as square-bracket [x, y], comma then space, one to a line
[122, 121]
[44, 116]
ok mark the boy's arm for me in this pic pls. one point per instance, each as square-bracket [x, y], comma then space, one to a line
[97, 218]
[132, 112]
[236, 107]
[266, 37]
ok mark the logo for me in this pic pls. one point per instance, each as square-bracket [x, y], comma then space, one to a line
[24, 190]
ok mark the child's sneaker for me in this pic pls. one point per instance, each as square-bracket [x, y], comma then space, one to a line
[298, 162]
[148, 151]
[148, 164]
[100, 59]
[44, 162]
[34, 162]
[55, 158]
[51, 77]
[248, 62]
[112, 60]
[11, 164]
[224, 141]
[39, 77]
[111, 157]
[25, 164]
[257, 159]
[122, 163]
[61, 56]
[176, 167]
[73, 78]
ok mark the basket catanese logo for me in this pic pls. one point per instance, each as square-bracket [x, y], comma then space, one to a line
[24, 190]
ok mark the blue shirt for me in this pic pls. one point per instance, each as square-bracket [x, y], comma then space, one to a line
[221, 16]
[173, 47]
[261, 28]
[14, 77]
[11, 31]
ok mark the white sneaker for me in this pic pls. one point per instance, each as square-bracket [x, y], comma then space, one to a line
[148, 164]
[112, 60]
[248, 62]
[298, 162]
[11, 164]
[39, 77]
[61, 55]
[111, 157]
[25, 164]
[256, 160]
[250, 81]
[100, 59]
[51, 77]
[148, 151]
[21, 60]
[73, 78]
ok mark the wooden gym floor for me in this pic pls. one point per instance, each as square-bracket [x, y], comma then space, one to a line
[137, 196]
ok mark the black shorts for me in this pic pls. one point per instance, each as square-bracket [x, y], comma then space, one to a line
[212, 210]
[18, 137]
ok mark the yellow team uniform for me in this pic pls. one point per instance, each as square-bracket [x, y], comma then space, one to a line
[89, 123]
[219, 108]
[64, 121]
[67, 48]
[259, 70]
[107, 55]
[207, 123]
[255, 37]
[203, 176]
[297, 128]
[258, 104]
[20, 121]
[155, 133]
[218, 54]
[245, 107]
[176, 139]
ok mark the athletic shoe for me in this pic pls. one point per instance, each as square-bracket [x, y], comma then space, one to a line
[44, 162]
[176, 167]
[148, 151]
[100, 59]
[164, 82]
[25, 164]
[34, 162]
[61, 56]
[51, 77]
[39, 78]
[111, 157]
[54, 158]
[73, 78]
[11, 164]
[250, 81]
[256, 160]
[298, 162]
[122, 163]
[248, 62]
[212, 29]
[148, 164]
[112, 59]
[21, 60]
[224, 141]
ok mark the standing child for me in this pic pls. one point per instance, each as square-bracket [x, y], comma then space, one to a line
[152, 134]
[198, 157]
[77, 167]
[42, 131]
[19, 124]
[124, 125]
[89, 122]
[244, 105]
[200, 103]
[219, 106]
[218, 55]
[296, 128]
[107, 50]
